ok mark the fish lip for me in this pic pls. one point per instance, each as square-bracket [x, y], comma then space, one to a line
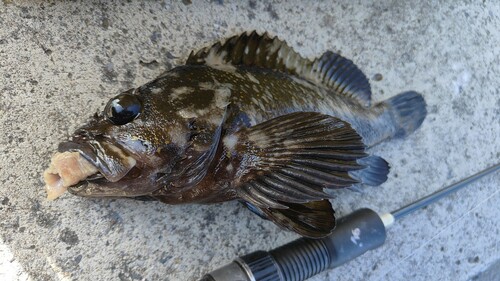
[89, 150]
[96, 186]
[86, 188]
[99, 188]
[77, 189]
[85, 149]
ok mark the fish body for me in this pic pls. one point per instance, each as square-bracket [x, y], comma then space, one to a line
[248, 120]
[261, 94]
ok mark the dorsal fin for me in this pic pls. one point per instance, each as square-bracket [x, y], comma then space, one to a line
[251, 49]
[342, 75]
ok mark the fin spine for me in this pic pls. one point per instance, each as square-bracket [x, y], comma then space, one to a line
[331, 70]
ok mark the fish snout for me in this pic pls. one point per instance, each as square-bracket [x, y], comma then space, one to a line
[111, 160]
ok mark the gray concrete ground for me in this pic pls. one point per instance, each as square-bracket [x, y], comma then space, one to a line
[61, 61]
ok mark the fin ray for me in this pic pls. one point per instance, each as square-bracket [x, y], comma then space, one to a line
[284, 165]
[313, 219]
[310, 190]
[374, 173]
[252, 49]
[409, 111]
[256, 197]
[296, 161]
[287, 195]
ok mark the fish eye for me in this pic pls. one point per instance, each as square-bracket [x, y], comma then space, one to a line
[122, 109]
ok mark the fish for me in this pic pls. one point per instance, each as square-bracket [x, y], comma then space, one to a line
[248, 119]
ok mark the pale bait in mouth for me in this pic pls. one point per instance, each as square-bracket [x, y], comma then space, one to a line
[66, 169]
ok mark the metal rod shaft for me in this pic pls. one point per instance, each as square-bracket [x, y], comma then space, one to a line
[410, 208]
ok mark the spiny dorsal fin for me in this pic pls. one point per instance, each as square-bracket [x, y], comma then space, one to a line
[251, 49]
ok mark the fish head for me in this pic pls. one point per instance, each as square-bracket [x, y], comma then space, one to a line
[133, 143]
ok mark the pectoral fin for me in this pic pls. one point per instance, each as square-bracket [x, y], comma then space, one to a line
[286, 163]
[294, 157]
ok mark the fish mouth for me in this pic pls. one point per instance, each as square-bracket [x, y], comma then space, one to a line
[116, 174]
[111, 160]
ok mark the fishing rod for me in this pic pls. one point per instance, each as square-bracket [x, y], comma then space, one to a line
[355, 234]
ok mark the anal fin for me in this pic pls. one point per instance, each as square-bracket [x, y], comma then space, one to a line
[314, 219]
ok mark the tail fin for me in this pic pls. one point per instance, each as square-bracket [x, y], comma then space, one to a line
[374, 173]
[409, 111]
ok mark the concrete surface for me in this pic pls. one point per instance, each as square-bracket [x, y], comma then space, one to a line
[492, 273]
[60, 61]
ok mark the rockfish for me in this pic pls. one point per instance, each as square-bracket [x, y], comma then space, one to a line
[246, 119]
